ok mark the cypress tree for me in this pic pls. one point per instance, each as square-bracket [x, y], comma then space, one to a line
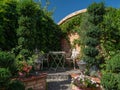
[93, 33]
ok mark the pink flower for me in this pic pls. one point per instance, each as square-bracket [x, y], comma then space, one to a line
[20, 73]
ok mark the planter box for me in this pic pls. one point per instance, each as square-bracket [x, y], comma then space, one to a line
[2, 88]
[77, 86]
[74, 87]
[35, 82]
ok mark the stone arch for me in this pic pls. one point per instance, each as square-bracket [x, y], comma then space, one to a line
[71, 15]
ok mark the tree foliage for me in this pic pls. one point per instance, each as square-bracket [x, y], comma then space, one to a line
[25, 24]
[111, 32]
[27, 28]
[48, 33]
[8, 24]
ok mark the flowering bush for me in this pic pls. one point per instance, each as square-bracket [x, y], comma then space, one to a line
[83, 81]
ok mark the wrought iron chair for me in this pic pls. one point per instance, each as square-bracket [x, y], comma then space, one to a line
[72, 57]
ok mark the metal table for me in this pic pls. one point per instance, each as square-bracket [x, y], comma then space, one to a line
[57, 59]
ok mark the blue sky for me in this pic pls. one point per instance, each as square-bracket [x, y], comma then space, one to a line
[65, 7]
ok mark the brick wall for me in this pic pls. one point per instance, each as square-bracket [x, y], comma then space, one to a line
[36, 83]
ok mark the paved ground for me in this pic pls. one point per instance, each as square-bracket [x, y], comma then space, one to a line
[60, 80]
[58, 85]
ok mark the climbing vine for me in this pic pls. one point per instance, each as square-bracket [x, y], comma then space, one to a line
[72, 25]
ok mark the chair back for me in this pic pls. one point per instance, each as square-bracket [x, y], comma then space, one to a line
[74, 54]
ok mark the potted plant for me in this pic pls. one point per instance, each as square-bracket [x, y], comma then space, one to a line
[24, 69]
[83, 82]
[35, 81]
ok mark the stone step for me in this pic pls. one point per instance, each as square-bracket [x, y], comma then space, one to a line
[59, 85]
[58, 77]
[58, 82]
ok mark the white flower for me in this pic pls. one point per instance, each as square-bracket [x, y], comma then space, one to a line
[97, 85]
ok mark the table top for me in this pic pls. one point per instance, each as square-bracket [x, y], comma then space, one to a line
[56, 52]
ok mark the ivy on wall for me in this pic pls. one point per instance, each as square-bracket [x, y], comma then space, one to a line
[72, 25]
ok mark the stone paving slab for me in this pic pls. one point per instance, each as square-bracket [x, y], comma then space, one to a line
[58, 84]
[60, 80]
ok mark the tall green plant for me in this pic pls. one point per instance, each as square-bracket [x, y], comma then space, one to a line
[92, 33]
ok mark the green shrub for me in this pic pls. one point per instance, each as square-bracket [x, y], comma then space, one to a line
[113, 65]
[16, 85]
[90, 60]
[111, 76]
[91, 42]
[94, 32]
[118, 81]
[6, 59]
[109, 81]
[4, 77]
[25, 53]
[90, 51]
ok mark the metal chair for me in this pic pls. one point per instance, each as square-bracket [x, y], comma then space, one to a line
[57, 60]
[72, 57]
